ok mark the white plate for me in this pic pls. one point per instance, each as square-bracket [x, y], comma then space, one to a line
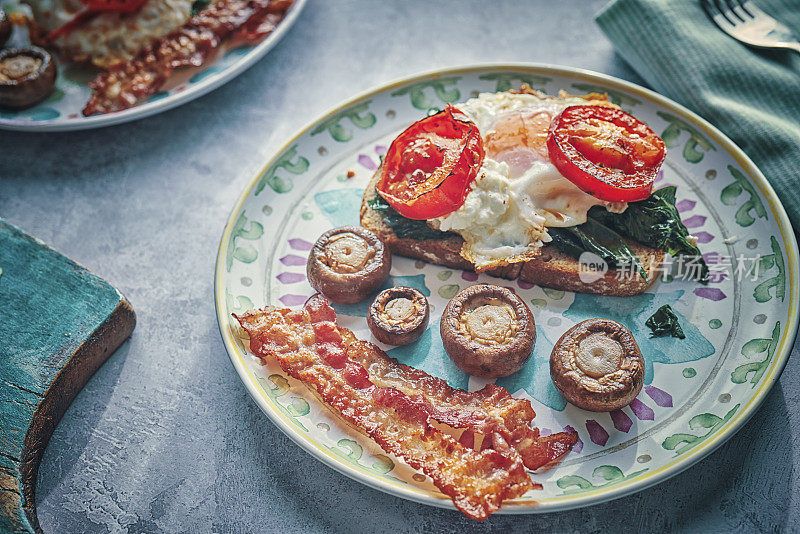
[698, 391]
[62, 111]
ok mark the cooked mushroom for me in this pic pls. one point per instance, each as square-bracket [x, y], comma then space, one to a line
[398, 315]
[597, 365]
[27, 76]
[488, 331]
[5, 28]
[348, 264]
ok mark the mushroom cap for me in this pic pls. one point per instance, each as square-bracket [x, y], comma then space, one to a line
[488, 331]
[398, 315]
[597, 365]
[27, 76]
[348, 264]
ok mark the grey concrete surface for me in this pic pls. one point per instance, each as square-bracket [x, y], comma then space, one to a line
[165, 438]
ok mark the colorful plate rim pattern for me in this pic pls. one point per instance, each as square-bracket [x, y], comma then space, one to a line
[564, 502]
[146, 109]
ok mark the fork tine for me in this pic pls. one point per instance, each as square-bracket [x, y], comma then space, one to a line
[720, 16]
[712, 10]
[707, 8]
[752, 9]
[745, 22]
[745, 7]
[732, 5]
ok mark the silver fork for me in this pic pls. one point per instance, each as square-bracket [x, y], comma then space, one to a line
[745, 22]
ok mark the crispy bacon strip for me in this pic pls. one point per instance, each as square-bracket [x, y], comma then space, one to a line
[492, 409]
[309, 347]
[123, 85]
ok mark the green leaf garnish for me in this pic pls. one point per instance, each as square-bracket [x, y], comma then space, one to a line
[665, 322]
[597, 238]
[655, 222]
[199, 5]
[403, 227]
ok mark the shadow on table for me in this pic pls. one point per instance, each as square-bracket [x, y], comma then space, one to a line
[65, 449]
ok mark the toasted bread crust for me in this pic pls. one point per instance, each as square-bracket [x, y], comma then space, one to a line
[553, 268]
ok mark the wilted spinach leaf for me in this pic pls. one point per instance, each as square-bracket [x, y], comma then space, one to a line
[403, 227]
[199, 5]
[664, 322]
[655, 222]
[597, 238]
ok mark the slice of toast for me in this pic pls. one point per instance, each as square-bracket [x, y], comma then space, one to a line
[551, 268]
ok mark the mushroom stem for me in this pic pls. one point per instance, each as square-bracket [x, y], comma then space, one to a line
[598, 355]
[489, 324]
[399, 310]
[347, 253]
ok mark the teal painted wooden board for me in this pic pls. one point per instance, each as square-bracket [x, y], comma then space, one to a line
[58, 324]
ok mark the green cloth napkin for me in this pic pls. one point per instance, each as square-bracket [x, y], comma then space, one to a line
[751, 95]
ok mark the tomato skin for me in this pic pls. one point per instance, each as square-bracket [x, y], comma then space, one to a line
[428, 168]
[620, 167]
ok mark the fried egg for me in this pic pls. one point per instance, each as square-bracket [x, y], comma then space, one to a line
[109, 38]
[518, 192]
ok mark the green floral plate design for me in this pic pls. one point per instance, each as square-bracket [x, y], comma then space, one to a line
[62, 111]
[698, 391]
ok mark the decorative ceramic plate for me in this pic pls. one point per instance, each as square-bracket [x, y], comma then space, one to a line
[698, 391]
[62, 111]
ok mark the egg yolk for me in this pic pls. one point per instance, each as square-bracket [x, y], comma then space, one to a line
[518, 139]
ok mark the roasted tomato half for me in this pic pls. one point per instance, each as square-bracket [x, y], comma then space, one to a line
[606, 152]
[429, 167]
